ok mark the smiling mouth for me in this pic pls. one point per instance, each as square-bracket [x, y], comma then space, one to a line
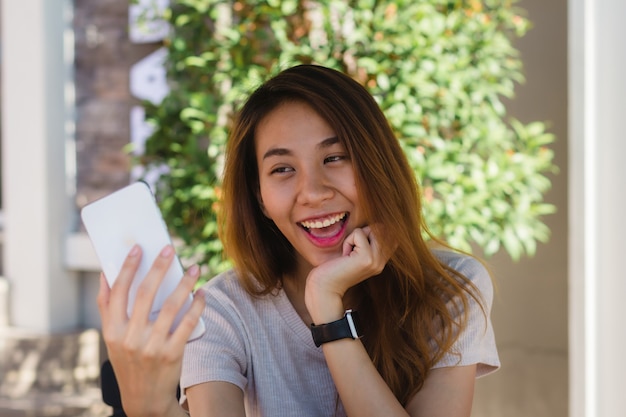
[317, 225]
[326, 232]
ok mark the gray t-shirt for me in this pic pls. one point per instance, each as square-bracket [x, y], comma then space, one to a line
[261, 345]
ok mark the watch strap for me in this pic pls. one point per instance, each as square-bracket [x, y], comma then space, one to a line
[347, 327]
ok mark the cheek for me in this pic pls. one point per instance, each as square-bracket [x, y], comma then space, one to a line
[262, 199]
[270, 202]
[349, 187]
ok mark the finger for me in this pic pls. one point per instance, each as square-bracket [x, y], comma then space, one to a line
[174, 303]
[352, 241]
[111, 327]
[361, 240]
[374, 242]
[102, 299]
[118, 302]
[379, 243]
[369, 251]
[384, 243]
[150, 284]
[348, 247]
[190, 320]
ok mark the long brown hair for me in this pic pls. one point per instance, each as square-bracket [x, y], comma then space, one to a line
[415, 310]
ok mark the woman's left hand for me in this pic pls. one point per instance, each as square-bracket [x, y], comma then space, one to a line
[363, 255]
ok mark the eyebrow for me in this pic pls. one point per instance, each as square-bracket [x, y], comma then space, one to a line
[326, 143]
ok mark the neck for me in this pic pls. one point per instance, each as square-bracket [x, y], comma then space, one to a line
[294, 289]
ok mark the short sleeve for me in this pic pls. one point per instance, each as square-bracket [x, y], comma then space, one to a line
[476, 343]
[220, 354]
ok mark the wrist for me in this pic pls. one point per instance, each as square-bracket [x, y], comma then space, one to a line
[348, 327]
[323, 307]
[168, 407]
[175, 409]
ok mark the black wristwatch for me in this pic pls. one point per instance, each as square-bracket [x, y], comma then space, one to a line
[347, 327]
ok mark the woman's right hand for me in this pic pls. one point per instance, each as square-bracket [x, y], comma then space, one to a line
[146, 357]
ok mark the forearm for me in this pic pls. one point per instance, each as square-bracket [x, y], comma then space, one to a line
[362, 390]
[446, 392]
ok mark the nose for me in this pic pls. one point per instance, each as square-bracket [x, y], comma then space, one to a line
[314, 187]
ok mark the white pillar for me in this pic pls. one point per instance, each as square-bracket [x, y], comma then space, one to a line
[597, 207]
[37, 103]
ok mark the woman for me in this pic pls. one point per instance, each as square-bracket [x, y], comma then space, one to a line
[321, 215]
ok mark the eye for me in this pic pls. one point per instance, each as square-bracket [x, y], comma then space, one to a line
[281, 170]
[335, 158]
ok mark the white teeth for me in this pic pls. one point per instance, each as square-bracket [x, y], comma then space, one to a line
[318, 224]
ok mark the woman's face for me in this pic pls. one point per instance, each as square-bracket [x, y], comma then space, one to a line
[307, 182]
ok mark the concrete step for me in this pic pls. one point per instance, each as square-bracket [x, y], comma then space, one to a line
[51, 375]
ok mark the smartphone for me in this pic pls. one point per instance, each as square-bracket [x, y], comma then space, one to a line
[122, 219]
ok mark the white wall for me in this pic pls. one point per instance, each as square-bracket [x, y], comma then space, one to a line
[530, 309]
[597, 200]
[37, 187]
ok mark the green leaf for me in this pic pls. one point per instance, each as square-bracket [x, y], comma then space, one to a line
[439, 70]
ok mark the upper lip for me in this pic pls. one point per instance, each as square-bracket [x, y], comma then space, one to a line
[323, 220]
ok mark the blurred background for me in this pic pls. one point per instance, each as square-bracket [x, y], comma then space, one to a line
[73, 81]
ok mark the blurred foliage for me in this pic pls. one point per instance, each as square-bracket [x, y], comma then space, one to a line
[438, 69]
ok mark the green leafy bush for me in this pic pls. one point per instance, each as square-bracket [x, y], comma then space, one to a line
[437, 68]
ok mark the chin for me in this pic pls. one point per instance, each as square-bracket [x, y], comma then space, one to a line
[321, 259]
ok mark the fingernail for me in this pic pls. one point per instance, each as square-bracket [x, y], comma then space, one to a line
[134, 251]
[167, 251]
[193, 271]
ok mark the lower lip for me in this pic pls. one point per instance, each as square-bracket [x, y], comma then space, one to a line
[330, 241]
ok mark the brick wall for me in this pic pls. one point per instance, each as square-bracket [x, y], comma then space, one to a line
[104, 55]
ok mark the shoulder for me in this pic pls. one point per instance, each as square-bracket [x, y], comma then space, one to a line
[226, 282]
[230, 282]
[227, 295]
[464, 264]
[226, 291]
[475, 343]
[469, 267]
